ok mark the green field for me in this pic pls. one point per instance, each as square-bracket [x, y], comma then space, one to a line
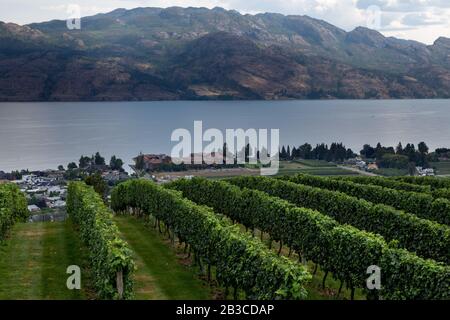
[390, 172]
[162, 273]
[315, 163]
[313, 167]
[33, 262]
[442, 168]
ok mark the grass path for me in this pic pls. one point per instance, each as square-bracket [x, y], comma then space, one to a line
[34, 259]
[159, 275]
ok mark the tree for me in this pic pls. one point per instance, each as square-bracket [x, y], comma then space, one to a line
[283, 154]
[412, 169]
[84, 162]
[294, 153]
[225, 153]
[116, 163]
[61, 167]
[410, 152]
[72, 166]
[100, 185]
[247, 153]
[320, 152]
[349, 154]
[379, 151]
[16, 175]
[98, 159]
[397, 161]
[140, 163]
[368, 151]
[423, 148]
[304, 151]
[399, 149]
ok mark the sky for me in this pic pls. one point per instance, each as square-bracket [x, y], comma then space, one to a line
[421, 20]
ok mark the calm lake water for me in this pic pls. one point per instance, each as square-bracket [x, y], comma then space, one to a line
[44, 135]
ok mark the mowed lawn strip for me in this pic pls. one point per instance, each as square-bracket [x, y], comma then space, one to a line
[20, 267]
[62, 248]
[159, 274]
[33, 262]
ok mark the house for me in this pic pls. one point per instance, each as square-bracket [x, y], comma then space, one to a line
[56, 204]
[115, 176]
[56, 175]
[372, 166]
[151, 162]
[33, 208]
[56, 190]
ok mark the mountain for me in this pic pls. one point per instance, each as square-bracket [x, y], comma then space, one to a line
[199, 53]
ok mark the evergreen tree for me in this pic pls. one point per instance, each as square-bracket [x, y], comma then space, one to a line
[283, 154]
[99, 160]
[399, 149]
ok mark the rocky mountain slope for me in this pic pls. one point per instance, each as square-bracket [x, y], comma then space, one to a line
[197, 53]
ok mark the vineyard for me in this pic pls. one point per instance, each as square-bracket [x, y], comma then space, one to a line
[13, 208]
[341, 225]
[308, 226]
[290, 237]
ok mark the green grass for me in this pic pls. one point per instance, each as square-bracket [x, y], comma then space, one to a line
[33, 262]
[313, 167]
[443, 167]
[161, 273]
[315, 163]
[319, 172]
[391, 172]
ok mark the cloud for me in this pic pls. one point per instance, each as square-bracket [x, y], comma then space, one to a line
[421, 19]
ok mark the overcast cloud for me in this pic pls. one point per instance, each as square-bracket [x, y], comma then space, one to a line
[421, 20]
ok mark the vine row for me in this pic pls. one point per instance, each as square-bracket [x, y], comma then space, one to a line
[420, 204]
[241, 261]
[109, 255]
[13, 208]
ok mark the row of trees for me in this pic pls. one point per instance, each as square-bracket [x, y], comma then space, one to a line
[388, 157]
[336, 152]
[95, 161]
[399, 157]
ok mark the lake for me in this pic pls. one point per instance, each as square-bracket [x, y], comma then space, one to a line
[45, 135]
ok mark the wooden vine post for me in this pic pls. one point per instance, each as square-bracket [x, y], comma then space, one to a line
[120, 284]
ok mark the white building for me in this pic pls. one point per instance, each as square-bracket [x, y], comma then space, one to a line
[425, 172]
[33, 208]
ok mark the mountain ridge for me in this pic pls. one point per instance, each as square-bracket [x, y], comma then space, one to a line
[199, 53]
